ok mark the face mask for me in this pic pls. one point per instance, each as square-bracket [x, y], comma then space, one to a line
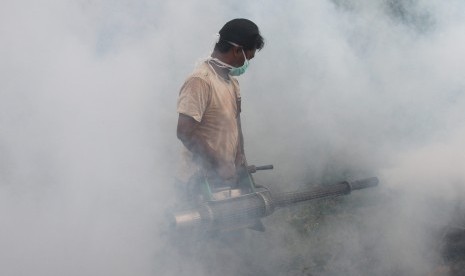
[237, 71]
[233, 71]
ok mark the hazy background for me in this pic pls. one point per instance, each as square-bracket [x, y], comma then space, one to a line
[342, 90]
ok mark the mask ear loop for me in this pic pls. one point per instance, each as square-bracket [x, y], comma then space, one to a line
[239, 46]
[234, 44]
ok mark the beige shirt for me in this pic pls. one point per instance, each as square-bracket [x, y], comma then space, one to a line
[212, 101]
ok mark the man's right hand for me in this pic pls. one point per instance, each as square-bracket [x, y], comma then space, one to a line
[227, 172]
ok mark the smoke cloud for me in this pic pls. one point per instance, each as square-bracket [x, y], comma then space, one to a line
[343, 89]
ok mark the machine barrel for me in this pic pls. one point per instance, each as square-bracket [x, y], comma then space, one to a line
[243, 209]
[343, 188]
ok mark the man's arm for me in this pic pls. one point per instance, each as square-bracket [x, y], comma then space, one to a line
[186, 132]
[240, 155]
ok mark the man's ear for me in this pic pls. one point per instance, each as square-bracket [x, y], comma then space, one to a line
[237, 51]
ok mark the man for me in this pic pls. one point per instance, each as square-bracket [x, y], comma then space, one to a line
[209, 108]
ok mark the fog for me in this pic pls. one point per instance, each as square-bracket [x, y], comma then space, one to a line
[343, 89]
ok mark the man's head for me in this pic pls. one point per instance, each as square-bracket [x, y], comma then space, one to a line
[239, 37]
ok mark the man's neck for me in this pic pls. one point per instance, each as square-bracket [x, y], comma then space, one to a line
[223, 72]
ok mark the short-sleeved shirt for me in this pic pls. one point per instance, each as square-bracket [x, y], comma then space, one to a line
[213, 102]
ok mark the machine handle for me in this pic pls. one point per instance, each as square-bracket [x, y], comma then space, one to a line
[253, 168]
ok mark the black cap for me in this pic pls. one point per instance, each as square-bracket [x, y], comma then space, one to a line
[242, 32]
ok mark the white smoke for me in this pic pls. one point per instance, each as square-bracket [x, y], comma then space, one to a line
[351, 88]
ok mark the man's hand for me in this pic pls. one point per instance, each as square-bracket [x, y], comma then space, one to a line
[227, 172]
[222, 175]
